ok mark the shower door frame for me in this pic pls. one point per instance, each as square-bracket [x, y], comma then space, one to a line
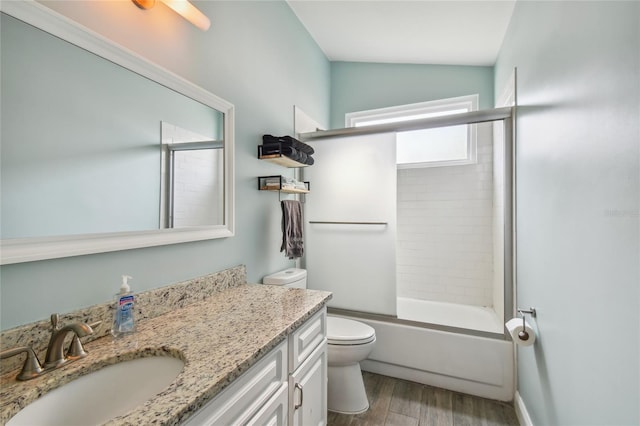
[507, 116]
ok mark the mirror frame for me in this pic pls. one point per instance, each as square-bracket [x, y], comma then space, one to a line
[32, 249]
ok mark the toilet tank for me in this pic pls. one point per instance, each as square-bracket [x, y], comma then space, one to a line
[292, 278]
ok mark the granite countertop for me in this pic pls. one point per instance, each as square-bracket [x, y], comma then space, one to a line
[218, 338]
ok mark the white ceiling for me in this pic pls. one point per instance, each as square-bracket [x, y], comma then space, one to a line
[452, 32]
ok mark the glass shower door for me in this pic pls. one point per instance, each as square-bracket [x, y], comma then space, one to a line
[350, 222]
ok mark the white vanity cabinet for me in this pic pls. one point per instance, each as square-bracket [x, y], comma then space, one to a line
[308, 373]
[275, 411]
[288, 386]
[252, 396]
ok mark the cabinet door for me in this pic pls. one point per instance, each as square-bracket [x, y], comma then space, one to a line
[308, 390]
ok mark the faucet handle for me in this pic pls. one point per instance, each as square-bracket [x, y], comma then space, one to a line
[55, 318]
[31, 367]
[76, 351]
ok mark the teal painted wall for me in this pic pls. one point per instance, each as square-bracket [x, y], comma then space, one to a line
[358, 86]
[578, 171]
[257, 56]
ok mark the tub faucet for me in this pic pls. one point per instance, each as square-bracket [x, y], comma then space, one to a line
[55, 351]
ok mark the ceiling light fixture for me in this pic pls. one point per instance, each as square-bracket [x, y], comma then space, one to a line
[183, 8]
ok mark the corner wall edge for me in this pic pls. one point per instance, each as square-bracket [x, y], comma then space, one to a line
[521, 411]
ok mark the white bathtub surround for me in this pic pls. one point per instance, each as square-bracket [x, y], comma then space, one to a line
[450, 314]
[473, 365]
[445, 230]
[444, 252]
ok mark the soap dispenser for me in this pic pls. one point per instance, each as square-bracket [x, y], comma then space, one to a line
[123, 320]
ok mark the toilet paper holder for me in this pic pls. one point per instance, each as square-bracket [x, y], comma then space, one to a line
[530, 311]
[523, 335]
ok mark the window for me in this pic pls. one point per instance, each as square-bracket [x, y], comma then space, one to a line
[443, 146]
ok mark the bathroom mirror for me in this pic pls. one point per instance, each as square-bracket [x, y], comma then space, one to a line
[85, 143]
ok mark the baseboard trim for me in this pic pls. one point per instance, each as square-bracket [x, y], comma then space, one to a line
[521, 411]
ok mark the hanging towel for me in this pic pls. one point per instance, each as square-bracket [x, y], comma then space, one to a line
[292, 243]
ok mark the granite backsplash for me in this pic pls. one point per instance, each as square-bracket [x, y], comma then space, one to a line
[149, 304]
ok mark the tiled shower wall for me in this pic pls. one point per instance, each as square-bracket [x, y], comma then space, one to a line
[197, 188]
[445, 231]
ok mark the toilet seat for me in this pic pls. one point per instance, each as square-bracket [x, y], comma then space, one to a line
[345, 332]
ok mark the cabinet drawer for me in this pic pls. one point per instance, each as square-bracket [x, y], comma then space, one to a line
[305, 339]
[248, 393]
[275, 411]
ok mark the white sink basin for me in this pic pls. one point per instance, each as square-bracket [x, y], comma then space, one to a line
[102, 395]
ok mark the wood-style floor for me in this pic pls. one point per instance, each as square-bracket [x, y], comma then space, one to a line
[395, 402]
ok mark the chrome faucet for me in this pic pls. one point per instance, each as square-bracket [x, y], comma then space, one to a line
[55, 351]
[55, 357]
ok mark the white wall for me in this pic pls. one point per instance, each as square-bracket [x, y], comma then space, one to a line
[578, 219]
[445, 237]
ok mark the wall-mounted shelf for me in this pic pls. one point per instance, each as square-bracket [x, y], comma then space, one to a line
[279, 158]
[277, 183]
[282, 160]
[273, 154]
[289, 191]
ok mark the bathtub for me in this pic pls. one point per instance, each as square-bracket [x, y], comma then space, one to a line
[450, 314]
[454, 360]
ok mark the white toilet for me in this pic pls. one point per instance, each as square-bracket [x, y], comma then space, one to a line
[348, 343]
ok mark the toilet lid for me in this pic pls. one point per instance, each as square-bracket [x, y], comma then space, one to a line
[342, 331]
